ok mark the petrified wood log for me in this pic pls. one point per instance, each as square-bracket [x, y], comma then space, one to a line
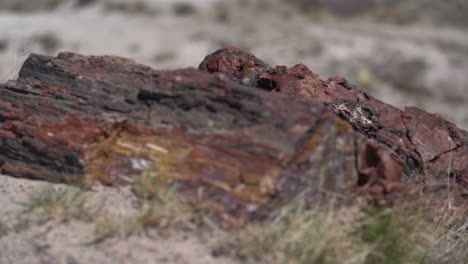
[432, 151]
[83, 119]
[80, 119]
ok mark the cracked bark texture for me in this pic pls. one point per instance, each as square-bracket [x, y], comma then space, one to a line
[432, 150]
[83, 119]
[244, 151]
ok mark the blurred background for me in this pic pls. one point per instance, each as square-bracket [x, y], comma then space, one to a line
[403, 52]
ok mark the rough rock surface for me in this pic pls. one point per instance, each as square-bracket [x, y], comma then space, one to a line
[432, 151]
[81, 119]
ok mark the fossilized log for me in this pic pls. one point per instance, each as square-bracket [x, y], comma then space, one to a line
[80, 119]
[433, 151]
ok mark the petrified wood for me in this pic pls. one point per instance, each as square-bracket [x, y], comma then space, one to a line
[80, 119]
[83, 119]
[432, 150]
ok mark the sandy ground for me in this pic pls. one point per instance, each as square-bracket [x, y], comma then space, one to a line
[411, 65]
[72, 242]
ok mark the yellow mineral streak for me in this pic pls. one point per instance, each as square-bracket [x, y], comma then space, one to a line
[123, 158]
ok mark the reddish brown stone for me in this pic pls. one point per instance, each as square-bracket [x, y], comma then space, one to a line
[80, 119]
[432, 150]
[244, 151]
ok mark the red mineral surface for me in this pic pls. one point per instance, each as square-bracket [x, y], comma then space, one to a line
[236, 133]
[432, 151]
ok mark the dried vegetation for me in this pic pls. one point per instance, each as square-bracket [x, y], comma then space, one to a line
[407, 233]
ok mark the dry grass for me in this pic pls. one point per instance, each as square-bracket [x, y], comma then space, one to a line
[450, 233]
[159, 207]
[449, 12]
[130, 7]
[297, 235]
[375, 235]
[3, 229]
[4, 44]
[29, 6]
[51, 203]
[301, 236]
